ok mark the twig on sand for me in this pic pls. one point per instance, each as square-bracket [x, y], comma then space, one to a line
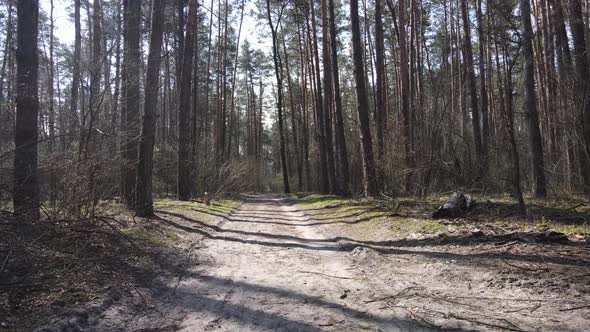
[325, 275]
[511, 326]
[403, 291]
[576, 308]
[525, 268]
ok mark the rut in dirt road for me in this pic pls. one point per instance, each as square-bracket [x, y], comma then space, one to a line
[264, 267]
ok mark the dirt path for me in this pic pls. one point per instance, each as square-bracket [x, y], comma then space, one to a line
[270, 267]
[266, 268]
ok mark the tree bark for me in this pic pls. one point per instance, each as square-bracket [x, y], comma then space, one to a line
[315, 60]
[184, 129]
[328, 97]
[73, 123]
[369, 181]
[340, 137]
[380, 69]
[26, 183]
[472, 86]
[143, 200]
[535, 139]
[582, 85]
[278, 66]
[132, 12]
[405, 99]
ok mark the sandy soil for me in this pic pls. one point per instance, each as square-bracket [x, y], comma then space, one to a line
[269, 266]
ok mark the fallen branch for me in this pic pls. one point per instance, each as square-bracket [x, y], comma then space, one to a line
[525, 268]
[576, 308]
[390, 296]
[325, 275]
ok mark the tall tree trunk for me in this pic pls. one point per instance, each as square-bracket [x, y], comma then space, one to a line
[233, 83]
[472, 86]
[323, 158]
[51, 145]
[535, 139]
[143, 200]
[328, 94]
[278, 66]
[340, 137]
[582, 85]
[73, 123]
[26, 184]
[380, 69]
[369, 180]
[410, 160]
[184, 129]
[293, 121]
[482, 88]
[132, 12]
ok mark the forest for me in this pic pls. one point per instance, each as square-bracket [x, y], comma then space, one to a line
[134, 131]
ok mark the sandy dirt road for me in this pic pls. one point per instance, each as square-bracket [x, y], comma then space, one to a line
[270, 266]
[265, 268]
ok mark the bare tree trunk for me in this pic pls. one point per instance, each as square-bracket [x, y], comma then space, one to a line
[51, 145]
[184, 130]
[380, 68]
[410, 160]
[143, 199]
[582, 85]
[328, 94]
[369, 180]
[472, 86]
[132, 14]
[340, 137]
[482, 89]
[73, 123]
[535, 139]
[278, 66]
[26, 183]
[323, 158]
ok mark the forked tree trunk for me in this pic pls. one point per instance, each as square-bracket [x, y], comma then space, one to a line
[278, 66]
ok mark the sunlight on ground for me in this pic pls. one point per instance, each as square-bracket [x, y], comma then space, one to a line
[406, 216]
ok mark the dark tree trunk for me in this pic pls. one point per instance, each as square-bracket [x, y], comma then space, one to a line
[405, 98]
[184, 129]
[482, 89]
[73, 123]
[582, 85]
[369, 181]
[328, 94]
[143, 200]
[380, 69]
[472, 86]
[132, 14]
[535, 139]
[26, 185]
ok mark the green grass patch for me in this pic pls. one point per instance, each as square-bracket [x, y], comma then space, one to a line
[151, 236]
